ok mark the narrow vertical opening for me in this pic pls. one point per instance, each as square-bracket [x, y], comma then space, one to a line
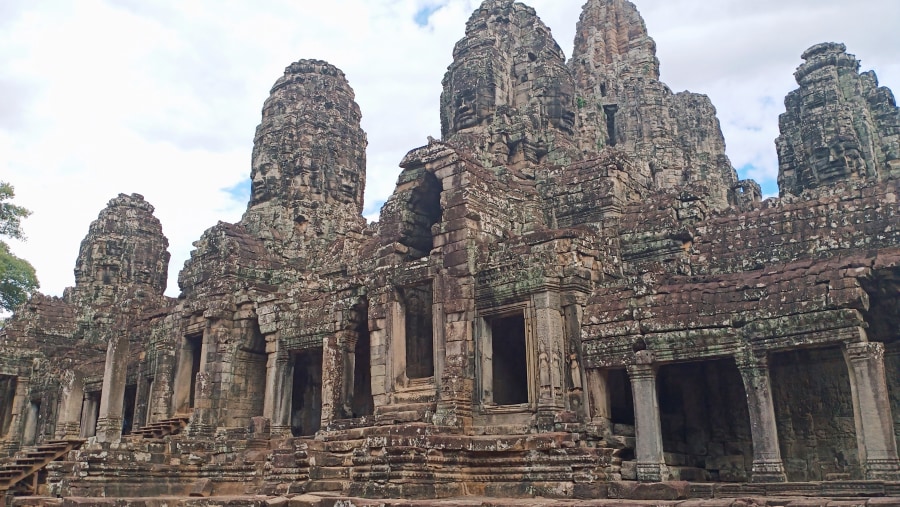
[128, 403]
[610, 110]
[90, 412]
[194, 345]
[362, 403]
[423, 211]
[419, 329]
[147, 411]
[32, 418]
[306, 397]
[509, 364]
[8, 385]
[621, 398]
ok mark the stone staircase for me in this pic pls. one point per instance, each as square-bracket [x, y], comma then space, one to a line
[21, 473]
[160, 429]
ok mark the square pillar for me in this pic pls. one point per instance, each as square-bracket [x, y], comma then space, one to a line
[279, 389]
[336, 377]
[872, 411]
[109, 423]
[767, 463]
[651, 465]
[69, 418]
[13, 438]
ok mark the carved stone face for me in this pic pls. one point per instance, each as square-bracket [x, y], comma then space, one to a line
[557, 104]
[474, 100]
[839, 159]
[265, 178]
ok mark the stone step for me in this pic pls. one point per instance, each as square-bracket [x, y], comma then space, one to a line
[315, 486]
[329, 473]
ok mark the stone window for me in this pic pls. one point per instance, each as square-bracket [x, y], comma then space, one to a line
[306, 393]
[418, 331]
[610, 110]
[423, 210]
[8, 386]
[506, 362]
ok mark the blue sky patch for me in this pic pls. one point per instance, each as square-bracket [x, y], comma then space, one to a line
[423, 14]
[240, 192]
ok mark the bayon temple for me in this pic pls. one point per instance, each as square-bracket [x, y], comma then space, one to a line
[570, 295]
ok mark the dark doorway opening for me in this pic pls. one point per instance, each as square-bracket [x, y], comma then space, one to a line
[510, 364]
[361, 403]
[194, 346]
[621, 398]
[8, 386]
[306, 398]
[128, 408]
[419, 330]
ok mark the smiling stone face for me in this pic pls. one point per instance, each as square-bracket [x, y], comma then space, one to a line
[507, 69]
[309, 145]
[839, 159]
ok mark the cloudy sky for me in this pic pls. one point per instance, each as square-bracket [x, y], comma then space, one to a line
[161, 97]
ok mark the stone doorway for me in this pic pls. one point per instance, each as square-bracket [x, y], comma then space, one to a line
[306, 393]
[361, 402]
[814, 414]
[248, 391]
[128, 403]
[509, 359]
[32, 421]
[419, 331]
[90, 412]
[8, 384]
[704, 420]
[190, 363]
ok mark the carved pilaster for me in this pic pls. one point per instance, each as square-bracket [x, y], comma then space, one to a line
[767, 463]
[872, 411]
[651, 465]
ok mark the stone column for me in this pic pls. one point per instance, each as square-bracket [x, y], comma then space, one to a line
[651, 466]
[69, 417]
[767, 463]
[279, 389]
[872, 411]
[13, 436]
[109, 423]
[203, 420]
[335, 376]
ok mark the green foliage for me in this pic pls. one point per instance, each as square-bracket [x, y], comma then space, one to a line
[580, 102]
[17, 277]
[11, 215]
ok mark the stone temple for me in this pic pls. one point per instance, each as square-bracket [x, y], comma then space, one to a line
[570, 296]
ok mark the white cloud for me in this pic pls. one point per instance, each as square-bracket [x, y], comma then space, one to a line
[162, 98]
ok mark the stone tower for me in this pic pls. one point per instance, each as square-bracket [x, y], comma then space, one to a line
[124, 252]
[839, 125]
[309, 158]
[675, 138]
[508, 94]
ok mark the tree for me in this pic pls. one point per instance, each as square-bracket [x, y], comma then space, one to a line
[17, 277]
